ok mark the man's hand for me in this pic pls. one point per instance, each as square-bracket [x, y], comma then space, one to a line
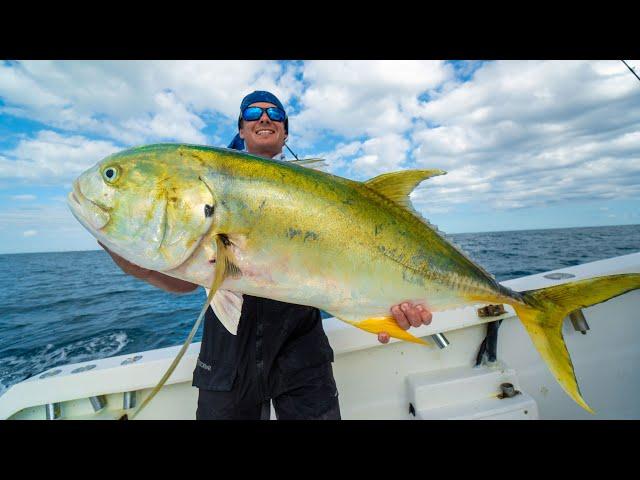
[407, 315]
[157, 279]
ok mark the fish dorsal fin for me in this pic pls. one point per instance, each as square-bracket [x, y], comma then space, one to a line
[397, 186]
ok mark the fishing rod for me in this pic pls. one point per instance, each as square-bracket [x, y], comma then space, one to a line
[631, 69]
[291, 151]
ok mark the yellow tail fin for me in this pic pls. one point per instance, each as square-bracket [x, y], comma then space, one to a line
[547, 307]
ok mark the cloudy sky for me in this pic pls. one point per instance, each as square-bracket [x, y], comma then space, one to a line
[526, 144]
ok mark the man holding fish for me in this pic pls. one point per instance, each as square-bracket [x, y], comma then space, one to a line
[280, 352]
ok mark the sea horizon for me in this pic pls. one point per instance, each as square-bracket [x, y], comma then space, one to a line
[444, 232]
[72, 306]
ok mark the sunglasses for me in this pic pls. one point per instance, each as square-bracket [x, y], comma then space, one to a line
[251, 114]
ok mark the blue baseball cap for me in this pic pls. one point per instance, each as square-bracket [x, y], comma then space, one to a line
[258, 96]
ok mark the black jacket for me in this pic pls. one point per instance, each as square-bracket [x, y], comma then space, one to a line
[275, 341]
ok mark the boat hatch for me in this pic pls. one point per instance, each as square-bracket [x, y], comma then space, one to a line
[487, 393]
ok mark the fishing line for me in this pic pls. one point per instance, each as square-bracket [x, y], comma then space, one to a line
[176, 360]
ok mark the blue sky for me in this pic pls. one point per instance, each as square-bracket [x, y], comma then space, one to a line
[526, 144]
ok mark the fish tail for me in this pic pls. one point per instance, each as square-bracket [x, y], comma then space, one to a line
[544, 310]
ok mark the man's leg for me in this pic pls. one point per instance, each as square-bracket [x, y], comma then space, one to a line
[310, 394]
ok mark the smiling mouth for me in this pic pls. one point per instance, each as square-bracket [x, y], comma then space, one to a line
[264, 132]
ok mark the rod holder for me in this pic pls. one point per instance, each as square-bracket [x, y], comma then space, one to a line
[440, 340]
[129, 400]
[508, 391]
[52, 411]
[98, 402]
[579, 322]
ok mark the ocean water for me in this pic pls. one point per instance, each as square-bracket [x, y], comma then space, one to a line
[61, 308]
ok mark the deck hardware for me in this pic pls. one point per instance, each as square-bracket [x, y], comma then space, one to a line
[488, 351]
[52, 373]
[131, 360]
[129, 400]
[492, 310]
[508, 391]
[558, 276]
[98, 402]
[440, 340]
[84, 369]
[52, 411]
[579, 322]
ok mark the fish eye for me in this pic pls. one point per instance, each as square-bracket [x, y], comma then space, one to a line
[110, 174]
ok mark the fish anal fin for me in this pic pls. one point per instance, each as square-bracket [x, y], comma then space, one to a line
[389, 325]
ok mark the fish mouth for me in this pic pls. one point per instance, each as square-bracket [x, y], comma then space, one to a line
[89, 213]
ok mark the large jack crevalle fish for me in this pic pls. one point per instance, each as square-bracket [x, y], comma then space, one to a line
[239, 224]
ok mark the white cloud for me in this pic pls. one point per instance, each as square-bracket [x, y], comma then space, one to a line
[517, 134]
[23, 197]
[354, 98]
[523, 134]
[338, 157]
[138, 101]
[379, 155]
[51, 158]
[172, 120]
[365, 159]
[29, 233]
[26, 91]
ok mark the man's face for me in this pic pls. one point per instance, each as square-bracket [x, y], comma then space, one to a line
[263, 136]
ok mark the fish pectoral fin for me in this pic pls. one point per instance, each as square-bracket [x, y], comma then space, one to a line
[227, 306]
[386, 324]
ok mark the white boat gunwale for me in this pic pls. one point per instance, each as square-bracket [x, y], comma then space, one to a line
[111, 377]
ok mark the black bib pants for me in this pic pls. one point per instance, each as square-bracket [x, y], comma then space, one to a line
[280, 353]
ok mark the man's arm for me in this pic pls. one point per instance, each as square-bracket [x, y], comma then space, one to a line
[157, 279]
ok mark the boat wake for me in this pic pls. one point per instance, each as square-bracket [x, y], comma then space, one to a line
[16, 368]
